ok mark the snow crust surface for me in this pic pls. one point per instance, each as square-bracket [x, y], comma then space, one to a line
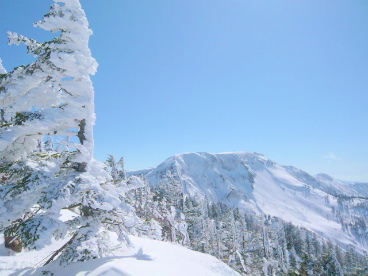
[148, 257]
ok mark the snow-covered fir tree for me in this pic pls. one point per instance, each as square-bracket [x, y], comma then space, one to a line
[2, 69]
[250, 244]
[52, 100]
[116, 168]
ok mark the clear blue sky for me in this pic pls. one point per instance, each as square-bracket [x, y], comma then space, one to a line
[288, 79]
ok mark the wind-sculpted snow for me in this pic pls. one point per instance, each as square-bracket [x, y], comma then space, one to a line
[256, 184]
[147, 257]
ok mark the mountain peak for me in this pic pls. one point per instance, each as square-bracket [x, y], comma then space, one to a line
[252, 182]
[323, 176]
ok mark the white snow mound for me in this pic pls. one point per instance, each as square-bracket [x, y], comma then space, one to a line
[148, 257]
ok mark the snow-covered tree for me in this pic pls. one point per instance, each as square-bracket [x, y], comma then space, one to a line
[2, 75]
[170, 196]
[147, 210]
[55, 90]
[52, 99]
[116, 168]
[2, 69]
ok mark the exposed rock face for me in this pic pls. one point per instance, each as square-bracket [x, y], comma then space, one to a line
[13, 243]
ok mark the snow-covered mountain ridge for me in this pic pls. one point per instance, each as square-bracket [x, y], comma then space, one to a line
[252, 182]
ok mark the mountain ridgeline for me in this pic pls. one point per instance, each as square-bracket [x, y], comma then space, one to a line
[256, 215]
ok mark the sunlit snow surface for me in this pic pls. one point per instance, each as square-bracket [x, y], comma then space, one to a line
[148, 257]
[254, 183]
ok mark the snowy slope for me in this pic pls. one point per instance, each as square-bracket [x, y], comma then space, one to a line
[343, 187]
[333, 186]
[254, 183]
[148, 257]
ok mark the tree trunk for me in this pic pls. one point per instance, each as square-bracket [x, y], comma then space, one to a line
[81, 135]
[2, 116]
[57, 252]
[81, 132]
[82, 167]
[13, 243]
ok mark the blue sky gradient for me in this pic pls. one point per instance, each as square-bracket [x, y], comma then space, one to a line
[288, 79]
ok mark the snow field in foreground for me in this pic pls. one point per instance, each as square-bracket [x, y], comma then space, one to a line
[148, 257]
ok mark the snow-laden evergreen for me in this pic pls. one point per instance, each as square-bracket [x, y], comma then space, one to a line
[257, 185]
[116, 168]
[53, 95]
[259, 245]
[259, 217]
[46, 147]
